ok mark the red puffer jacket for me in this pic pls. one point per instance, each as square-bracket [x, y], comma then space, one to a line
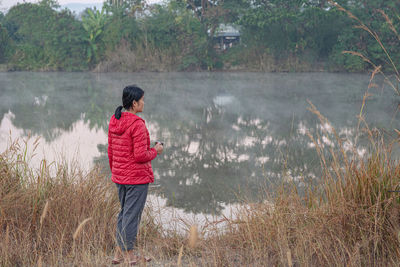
[129, 151]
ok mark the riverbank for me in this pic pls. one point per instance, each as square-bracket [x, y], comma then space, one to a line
[4, 68]
[59, 215]
[125, 59]
[124, 67]
[120, 62]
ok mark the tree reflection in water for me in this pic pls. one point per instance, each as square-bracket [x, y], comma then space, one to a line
[227, 136]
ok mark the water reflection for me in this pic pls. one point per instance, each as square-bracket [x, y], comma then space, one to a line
[227, 135]
[76, 146]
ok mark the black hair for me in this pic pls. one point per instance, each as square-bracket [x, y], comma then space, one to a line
[131, 93]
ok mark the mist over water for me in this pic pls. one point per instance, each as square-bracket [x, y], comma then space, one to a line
[226, 135]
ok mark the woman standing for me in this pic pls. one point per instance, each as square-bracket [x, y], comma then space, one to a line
[130, 157]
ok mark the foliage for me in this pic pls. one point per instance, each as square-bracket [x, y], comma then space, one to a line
[284, 28]
[44, 38]
[93, 22]
[273, 24]
[124, 6]
[373, 29]
[210, 14]
[294, 34]
[321, 29]
[173, 28]
[119, 26]
[49, 3]
[5, 44]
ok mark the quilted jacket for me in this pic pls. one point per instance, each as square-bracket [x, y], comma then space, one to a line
[129, 151]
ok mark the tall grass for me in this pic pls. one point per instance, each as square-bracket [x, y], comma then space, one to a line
[41, 212]
[60, 215]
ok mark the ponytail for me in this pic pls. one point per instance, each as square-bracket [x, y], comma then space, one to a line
[118, 112]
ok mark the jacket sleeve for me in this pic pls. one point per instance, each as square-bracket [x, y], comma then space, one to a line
[109, 150]
[141, 150]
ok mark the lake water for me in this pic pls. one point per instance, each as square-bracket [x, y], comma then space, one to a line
[226, 135]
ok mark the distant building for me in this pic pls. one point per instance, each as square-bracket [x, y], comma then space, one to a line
[226, 36]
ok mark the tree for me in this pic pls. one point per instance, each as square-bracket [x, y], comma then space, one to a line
[44, 38]
[124, 6]
[210, 14]
[121, 24]
[372, 33]
[274, 23]
[4, 40]
[50, 3]
[173, 30]
[320, 28]
[93, 22]
[5, 44]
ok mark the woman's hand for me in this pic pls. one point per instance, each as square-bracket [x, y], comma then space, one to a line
[159, 147]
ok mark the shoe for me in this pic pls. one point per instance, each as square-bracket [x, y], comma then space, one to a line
[131, 258]
[133, 262]
[118, 256]
[116, 261]
[146, 259]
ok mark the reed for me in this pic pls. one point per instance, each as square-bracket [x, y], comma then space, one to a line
[79, 228]
[44, 212]
[33, 228]
[193, 237]
[179, 263]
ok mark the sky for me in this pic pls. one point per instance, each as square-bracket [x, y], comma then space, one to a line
[6, 4]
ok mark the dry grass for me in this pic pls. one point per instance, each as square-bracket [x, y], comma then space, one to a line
[41, 212]
[259, 60]
[141, 58]
[60, 215]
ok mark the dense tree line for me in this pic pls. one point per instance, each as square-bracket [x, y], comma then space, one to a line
[129, 35]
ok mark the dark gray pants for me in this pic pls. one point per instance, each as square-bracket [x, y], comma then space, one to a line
[132, 199]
